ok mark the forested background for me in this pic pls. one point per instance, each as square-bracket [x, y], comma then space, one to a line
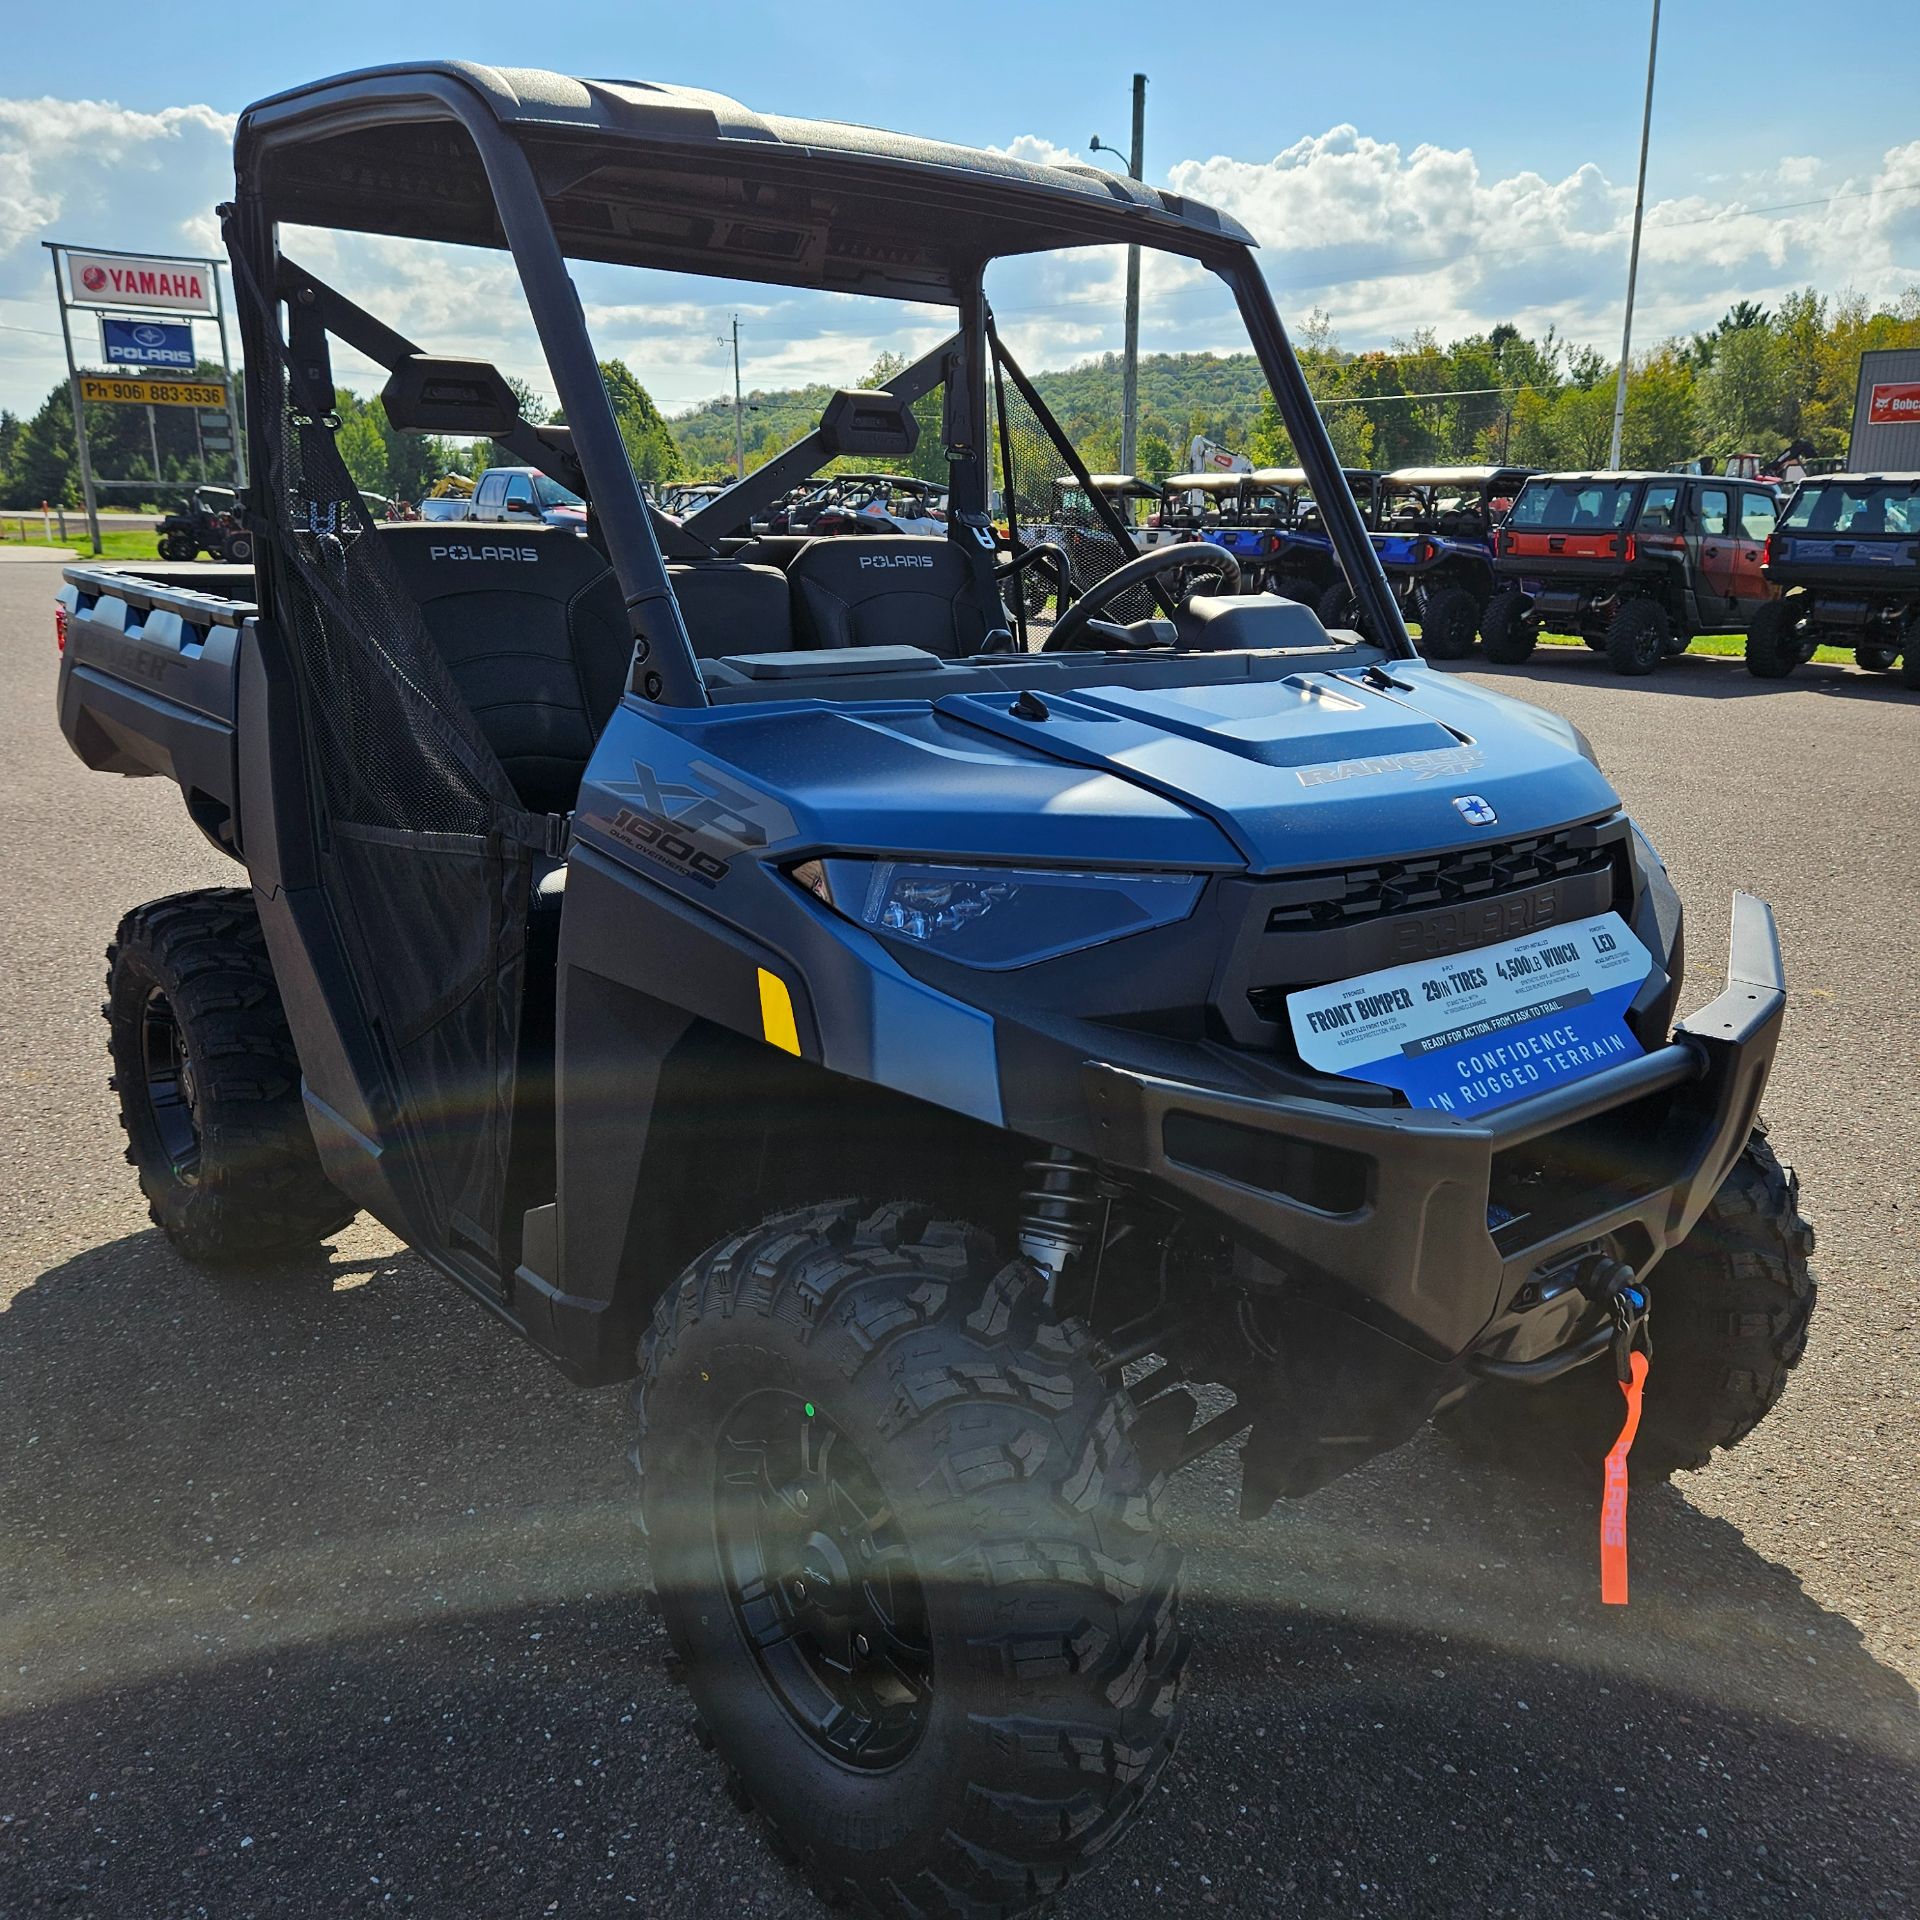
[1757, 381]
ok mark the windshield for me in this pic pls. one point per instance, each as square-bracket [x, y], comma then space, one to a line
[845, 429]
[1567, 506]
[1857, 509]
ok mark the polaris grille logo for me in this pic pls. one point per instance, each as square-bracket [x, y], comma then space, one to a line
[896, 559]
[483, 553]
[1475, 811]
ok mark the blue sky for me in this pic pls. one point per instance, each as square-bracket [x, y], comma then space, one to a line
[1404, 165]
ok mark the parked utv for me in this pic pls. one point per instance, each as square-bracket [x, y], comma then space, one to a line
[1304, 566]
[208, 522]
[1846, 561]
[1435, 530]
[1636, 564]
[922, 1052]
[1234, 511]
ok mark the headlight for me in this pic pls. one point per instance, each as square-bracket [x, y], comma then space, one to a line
[997, 916]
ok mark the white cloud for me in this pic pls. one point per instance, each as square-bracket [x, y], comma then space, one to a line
[1387, 239]
[95, 174]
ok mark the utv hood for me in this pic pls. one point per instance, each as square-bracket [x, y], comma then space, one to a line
[1322, 768]
[1316, 770]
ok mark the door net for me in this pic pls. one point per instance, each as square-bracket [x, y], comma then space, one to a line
[426, 851]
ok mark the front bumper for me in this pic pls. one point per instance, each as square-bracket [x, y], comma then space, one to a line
[1391, 1214]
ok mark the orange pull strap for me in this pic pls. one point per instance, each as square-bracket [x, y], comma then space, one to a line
[1613, 1503]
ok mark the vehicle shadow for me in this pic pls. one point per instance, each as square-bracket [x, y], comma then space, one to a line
[1702, 675]
[318, 1593]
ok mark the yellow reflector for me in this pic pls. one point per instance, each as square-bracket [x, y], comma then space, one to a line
[776, 1013]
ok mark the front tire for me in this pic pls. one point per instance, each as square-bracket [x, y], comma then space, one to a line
[1638, 637]
[904, 1546]
[1731, 1305]
[1447, 624]
[1877, 659]
[1507, 636]
[209, 1083]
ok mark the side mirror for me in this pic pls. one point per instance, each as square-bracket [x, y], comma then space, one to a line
[427, 393]
[521, 506]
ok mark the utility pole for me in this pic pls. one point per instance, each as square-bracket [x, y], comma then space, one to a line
[739, 418]
[1130, 352]
[1633, 254]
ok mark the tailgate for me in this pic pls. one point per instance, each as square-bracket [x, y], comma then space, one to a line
[148, 682]
[1576, 550]
[1853, 563]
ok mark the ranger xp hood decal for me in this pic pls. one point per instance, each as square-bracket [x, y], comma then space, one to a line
[1418, 766]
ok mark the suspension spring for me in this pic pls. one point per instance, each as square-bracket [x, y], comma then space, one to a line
[1058, 1211]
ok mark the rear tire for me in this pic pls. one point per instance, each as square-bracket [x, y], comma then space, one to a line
[1295, 586]
[1877, 659]
[1447, 623]
[1910, 667]
[904, 1546]
[1507, 635]
[209, 1083]
[1729, 1323]
[1637, 637]
[1338, 609]
[1773, 647]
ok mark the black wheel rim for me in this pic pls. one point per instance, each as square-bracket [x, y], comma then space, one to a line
[822, 1583]
[172, 1095]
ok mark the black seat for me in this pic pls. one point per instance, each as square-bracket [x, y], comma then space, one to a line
[892, 590]
[533, 626]
[732, 608]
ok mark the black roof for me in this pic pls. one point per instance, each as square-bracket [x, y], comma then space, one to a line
[681, 178]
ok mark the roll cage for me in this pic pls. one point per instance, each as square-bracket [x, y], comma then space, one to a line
[548, 167]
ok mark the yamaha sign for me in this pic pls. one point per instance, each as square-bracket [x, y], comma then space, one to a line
[139, 281]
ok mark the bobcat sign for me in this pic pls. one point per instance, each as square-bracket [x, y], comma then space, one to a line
[131, 280]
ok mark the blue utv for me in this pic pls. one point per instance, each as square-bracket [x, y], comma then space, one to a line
[1235, 511]
[923, 1048]
[1434, 533]
[1844, 563]
[1304, 565]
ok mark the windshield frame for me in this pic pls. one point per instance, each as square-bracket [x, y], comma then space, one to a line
[665, 670]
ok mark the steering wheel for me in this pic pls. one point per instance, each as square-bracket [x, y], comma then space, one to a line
[1187, 556]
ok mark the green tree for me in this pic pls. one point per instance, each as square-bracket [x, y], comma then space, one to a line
[651, 450]
[1740, 391]
[1662, 425]
[361, 444]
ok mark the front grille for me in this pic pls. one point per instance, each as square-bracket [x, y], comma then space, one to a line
[1343, 898]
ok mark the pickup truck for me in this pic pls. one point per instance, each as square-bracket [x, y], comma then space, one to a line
[528, 496]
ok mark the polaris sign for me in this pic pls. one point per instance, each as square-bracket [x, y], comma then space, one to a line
[147, 343]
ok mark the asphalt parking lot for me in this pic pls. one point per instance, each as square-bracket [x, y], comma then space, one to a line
[318, 1593]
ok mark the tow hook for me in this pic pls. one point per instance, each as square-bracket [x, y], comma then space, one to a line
[1609, 1283]
[1613, 1284]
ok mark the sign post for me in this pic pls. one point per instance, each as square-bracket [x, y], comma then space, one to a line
[145, 305]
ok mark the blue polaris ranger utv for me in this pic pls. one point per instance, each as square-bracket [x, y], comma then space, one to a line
[1434, 533]
[1303, 564]
[922, 1046]
[1845, 564]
